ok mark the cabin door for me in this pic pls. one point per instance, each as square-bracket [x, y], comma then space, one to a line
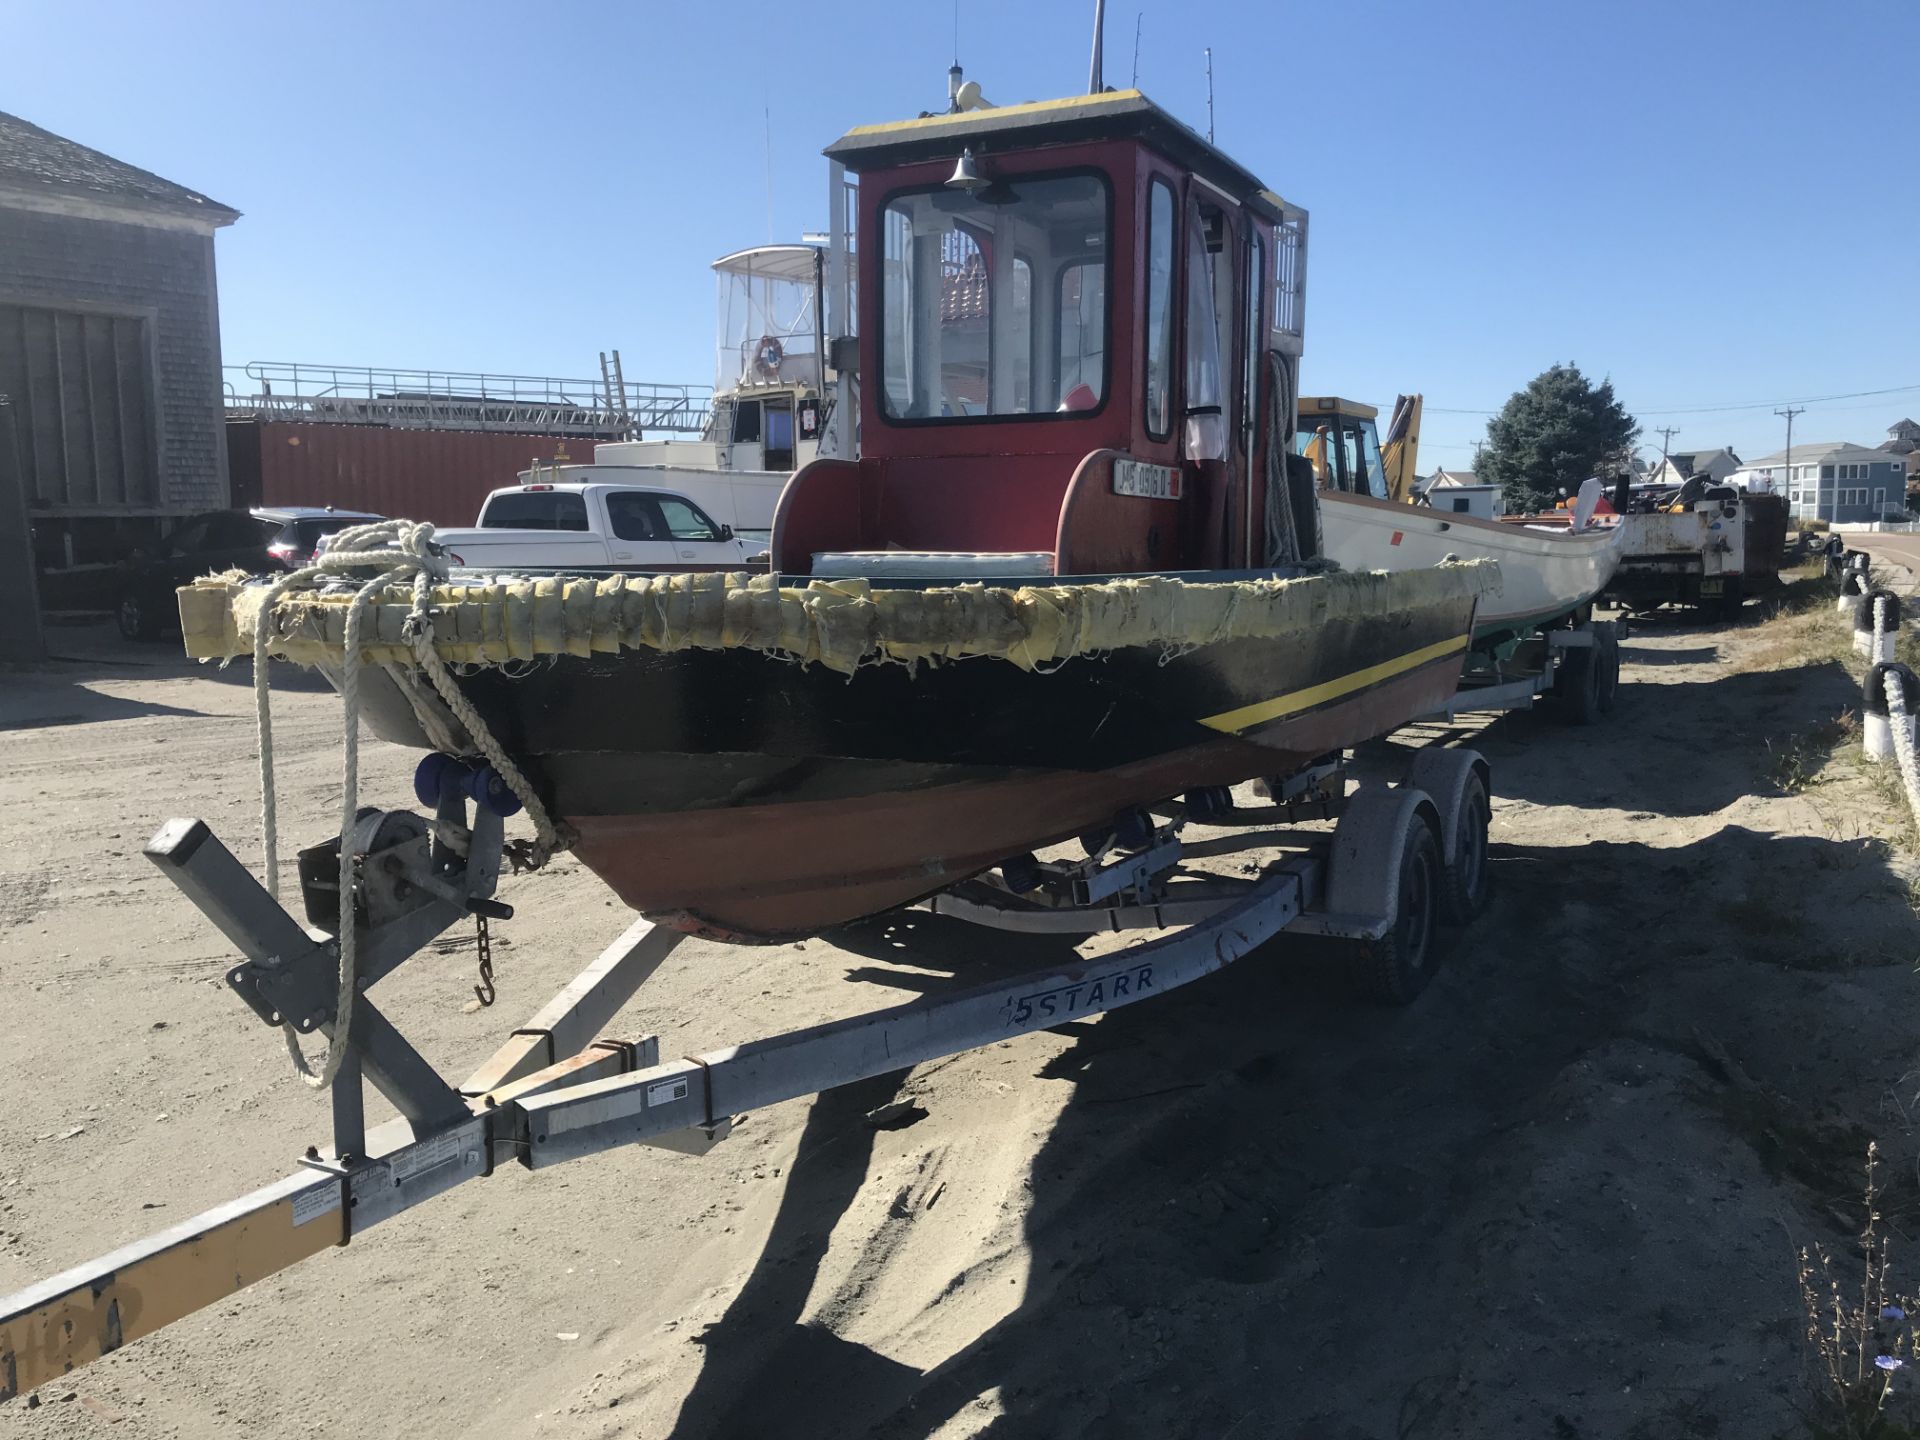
[779, 442]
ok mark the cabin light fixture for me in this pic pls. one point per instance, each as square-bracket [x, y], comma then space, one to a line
[966, 176]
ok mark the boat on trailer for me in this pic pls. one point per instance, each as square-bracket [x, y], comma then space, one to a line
[1077, 575]
[1550, 567]
[1069, 588]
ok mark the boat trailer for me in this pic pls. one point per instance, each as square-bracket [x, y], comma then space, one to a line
[1400, 860]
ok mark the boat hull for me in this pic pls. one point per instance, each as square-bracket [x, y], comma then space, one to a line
[819, 863]
[748, 797]
[1545, 574]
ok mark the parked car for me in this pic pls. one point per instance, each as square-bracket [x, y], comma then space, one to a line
[595, 527]
[275, 537]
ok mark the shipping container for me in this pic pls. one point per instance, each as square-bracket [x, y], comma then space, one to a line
[436, 475]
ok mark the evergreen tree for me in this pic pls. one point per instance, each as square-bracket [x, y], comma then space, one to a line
[1552, 435]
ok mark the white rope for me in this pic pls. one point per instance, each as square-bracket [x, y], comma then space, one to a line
[400, 548]
[1903, 740]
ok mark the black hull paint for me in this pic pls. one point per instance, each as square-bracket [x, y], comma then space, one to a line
[646, 732]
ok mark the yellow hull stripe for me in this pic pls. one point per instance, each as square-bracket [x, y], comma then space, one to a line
[1248, 716]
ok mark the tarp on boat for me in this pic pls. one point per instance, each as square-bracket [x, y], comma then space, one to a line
[841, 624]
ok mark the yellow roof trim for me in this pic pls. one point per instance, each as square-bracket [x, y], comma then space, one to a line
[1050, 109]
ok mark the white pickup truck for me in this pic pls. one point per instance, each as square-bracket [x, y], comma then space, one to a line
[596, 527]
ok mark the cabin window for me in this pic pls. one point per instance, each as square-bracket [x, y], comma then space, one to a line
[536, 510]
[1207, 323]
[631, 516]
[1159, 368]
[1345, 454]
[994, 303]
[638, 515]
[1256, 306]
[685, 520]
[746, 422]
[1080, 334]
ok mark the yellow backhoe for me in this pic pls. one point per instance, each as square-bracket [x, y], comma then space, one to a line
[1341, 439]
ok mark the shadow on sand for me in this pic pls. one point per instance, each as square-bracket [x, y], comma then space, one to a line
[1271, 1210]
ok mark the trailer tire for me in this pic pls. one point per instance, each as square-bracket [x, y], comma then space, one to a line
[1455, 780]
[1400, 964]
[1732, 598]
[1577, 689]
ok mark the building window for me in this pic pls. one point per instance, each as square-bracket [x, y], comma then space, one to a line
[1826, 472]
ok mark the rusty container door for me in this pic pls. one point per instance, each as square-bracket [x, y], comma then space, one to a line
[436, 475]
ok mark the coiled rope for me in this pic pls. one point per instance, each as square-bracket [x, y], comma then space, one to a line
[397, 549]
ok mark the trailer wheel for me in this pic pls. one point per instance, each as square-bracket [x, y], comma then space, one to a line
[1732, 598]
[1455, 780]
[1398, 966]
[1577, 689]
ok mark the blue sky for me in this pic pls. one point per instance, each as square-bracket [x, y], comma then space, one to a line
[1712, 202]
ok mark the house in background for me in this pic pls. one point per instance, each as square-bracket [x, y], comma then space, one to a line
[1462, 493]
[1683, 465]
[109, 356]
[1903, 439]
[1839, 482]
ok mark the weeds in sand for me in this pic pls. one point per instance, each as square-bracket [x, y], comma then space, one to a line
[1863, 1343]
[1794, 764]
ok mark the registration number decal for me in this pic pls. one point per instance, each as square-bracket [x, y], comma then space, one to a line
[1148, 482]
[1080, 997]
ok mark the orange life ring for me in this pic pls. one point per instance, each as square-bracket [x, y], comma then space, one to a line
[768, 354]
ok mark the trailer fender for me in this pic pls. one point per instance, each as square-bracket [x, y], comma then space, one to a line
[1363, 869]
[1443, 777]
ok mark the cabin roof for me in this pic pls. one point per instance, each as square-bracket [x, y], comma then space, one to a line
[1111, 115]
[781, 262]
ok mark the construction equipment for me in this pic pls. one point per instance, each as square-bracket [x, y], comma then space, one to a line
[1341, 440]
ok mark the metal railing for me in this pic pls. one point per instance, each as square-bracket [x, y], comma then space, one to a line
[462, 400]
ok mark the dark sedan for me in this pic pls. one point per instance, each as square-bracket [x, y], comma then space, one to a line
[276, 537]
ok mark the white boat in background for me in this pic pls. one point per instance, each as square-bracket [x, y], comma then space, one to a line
[769, 404]
[1548, 570]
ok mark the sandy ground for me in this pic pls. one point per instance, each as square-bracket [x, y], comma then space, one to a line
[1540, 1202]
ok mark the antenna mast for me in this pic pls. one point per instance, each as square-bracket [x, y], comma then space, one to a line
[1096, 76]
[1135, 82]
[1209, 94]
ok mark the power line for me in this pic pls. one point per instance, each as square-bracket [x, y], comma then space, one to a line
[1802, 400]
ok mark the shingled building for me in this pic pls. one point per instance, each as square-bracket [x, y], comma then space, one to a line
[109, 357]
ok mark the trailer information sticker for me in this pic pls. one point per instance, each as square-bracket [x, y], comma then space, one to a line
[315, 1203]
[666, 1092]
[1149, 482]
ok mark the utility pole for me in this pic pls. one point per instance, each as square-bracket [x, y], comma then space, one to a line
[1790, 412]
[1666, 437]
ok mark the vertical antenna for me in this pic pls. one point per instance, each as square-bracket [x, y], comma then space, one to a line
[1135, 82]
[956, 34]
[1209, 94]
[1096, 75]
